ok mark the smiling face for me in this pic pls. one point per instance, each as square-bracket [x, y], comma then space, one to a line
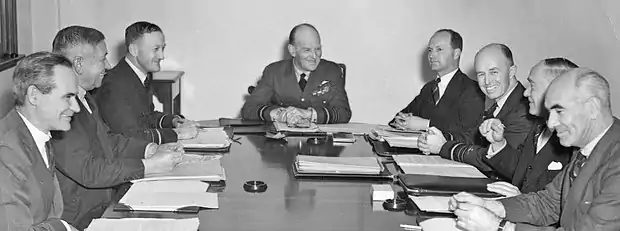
[441, 56]
[306, 50]
[535, 93]
[149, 51]
[493, 72]
[569, 114]
[93, 66]
[56, 108]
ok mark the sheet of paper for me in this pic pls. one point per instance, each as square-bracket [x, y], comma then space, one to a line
[208, 123]
[355, 128]
[191, 168]
[208, 138]
[442, 171]
[143, 224]
[284, 127]
[439, 224]
[169, 195]
[427, 160]
[343, 165]
[432, 203]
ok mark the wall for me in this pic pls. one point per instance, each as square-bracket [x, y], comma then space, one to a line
[224, 45]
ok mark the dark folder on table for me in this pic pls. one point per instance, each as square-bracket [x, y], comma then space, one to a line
[421, 185]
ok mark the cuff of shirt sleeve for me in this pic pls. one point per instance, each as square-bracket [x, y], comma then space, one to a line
[314, 117]
[150, 150]
[491, 152]
[67, 226]
[166, 121]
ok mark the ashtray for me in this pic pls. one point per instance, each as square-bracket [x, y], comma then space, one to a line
[316, 140]
[255, 186]
[395, 205]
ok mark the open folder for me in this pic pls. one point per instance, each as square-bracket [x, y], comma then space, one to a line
[435, 165]
[338, 165]
[395, 137]
[169, 196]
[208, 139]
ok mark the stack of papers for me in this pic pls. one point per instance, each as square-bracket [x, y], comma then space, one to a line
[395, 137]
[355, 128]
[283, 127]
[192, 167]
[169, 196]
[208, 138]
[338, 165]
[143, 224]
[437, 204]
[439, 224]
[435, 165]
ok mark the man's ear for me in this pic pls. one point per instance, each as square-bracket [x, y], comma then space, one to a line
[133, 50]
[457, 54]
[32, 94]
[592, 106]
[78, 63]
[513, 71]
[291, 50]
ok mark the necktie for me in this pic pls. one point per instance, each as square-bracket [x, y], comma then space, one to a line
[436, 90]
[580, 160]
[539, 130]
[489, 112]
[50, 157]
[147, 81]
[302, 81]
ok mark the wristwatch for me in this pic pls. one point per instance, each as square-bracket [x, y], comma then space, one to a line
[502, 223]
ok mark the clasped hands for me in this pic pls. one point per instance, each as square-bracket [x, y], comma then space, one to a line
[407, 121]
[185, 129]
[431, 141]
[164, 158]
[292, 116]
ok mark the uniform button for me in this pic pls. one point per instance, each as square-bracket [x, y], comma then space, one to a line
[324, 101]
[303, 99]
[529, 167]
[587, 202]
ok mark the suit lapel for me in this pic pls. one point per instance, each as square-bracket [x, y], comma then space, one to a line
[514, 98]
[527, 154]
[290, 79]
[599, 155]
[453, 90]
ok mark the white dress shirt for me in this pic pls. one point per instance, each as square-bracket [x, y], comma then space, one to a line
[587, 150]
[82, 97]
[543, 139]
[502, 100]
[445, 80]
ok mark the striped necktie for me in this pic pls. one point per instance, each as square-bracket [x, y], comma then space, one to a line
[436, 90]
[580, 160]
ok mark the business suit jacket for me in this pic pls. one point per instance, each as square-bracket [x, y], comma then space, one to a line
[30, 197]
[459, 108]
[591, 203]
[91, 161]
[126, 106]
[527, 169]
[278, 87]
[471, 147]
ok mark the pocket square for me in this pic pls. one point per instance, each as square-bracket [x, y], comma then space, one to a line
[554, 166]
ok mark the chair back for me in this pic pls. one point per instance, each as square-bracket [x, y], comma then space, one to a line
[6, 91]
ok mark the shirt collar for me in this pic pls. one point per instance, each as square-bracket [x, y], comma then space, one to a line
[299, 72]
[81, 93]
[141, 75]
[445, 79]
[587, 150]
[39, 136]
[502, 100]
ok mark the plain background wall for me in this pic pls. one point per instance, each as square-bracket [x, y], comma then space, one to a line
[224, 45]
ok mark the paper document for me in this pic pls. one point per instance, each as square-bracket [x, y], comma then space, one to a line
[143, 224]
[208, 123]
[191, 168]
[355, 128]
[439, 224]
[208, 138]
[432, 203]
[394, 137]
[283, 127]
[436, 166]
[338, 165]
[169, 195]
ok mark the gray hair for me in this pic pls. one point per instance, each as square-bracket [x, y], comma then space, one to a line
[594, 84]
[74, 36]
[36, 70]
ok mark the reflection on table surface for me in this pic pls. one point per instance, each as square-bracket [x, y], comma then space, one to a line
[290, 203]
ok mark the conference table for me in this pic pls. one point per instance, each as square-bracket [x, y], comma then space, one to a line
[289, 203]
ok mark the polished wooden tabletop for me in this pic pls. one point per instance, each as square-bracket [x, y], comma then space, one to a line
[290, 203]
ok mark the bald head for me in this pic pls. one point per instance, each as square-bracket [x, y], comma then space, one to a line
[305, 47]
[579, 106]
[495, 70]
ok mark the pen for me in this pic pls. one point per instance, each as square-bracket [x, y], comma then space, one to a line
[411, 227]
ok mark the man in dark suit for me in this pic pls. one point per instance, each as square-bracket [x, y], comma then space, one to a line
[302, 90]
[586, 194]
[91, 159]
[496, 72]
[44, 89]
[452, 101]
[542, 157]
[125, 97]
